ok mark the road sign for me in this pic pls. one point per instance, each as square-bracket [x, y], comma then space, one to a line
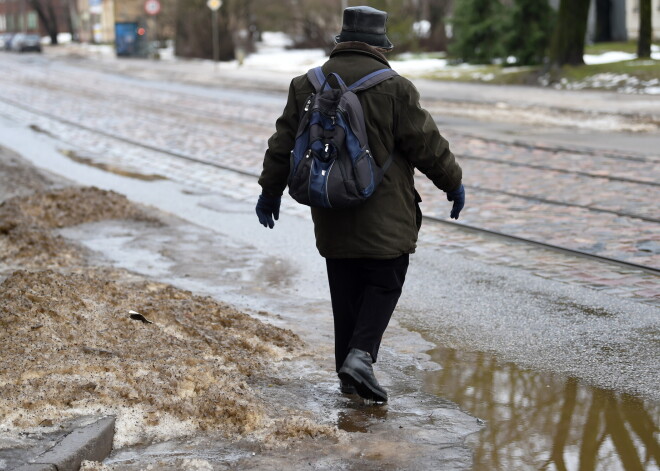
[152, 7]
[214, 4]
[96, 7]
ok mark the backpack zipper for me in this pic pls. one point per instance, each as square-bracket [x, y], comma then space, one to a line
[327, 196]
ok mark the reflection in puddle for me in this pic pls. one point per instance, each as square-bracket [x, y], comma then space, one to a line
[359, 419]
[541, 421]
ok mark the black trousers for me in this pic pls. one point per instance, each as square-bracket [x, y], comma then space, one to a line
[364, 294]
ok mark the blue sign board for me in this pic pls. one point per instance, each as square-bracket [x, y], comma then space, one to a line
[126, 39]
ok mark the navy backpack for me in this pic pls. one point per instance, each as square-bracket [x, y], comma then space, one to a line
[331, 163]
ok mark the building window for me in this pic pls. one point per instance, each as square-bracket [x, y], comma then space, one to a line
[3, 22]
[32, 20]
[10, 23]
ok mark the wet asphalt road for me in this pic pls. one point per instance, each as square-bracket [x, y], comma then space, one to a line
[538, 309]
[456, 299]
[468, 296]
[600, 202]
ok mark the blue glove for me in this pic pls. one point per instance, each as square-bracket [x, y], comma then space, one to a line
[458, 197]
[268, 209]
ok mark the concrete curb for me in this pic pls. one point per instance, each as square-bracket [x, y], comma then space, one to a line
[37, 467]
[92, 442]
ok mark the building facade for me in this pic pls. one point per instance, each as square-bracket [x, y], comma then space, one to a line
[632, 18]
[96, 21]
[17, 16]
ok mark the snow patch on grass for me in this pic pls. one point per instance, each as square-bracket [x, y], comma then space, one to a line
[608, 57]
[622, 83]
[617, 56]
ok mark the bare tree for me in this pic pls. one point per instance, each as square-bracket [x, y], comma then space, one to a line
[46, 12]
[645, 29]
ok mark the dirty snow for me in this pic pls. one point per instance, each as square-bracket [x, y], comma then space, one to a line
[70, 347]
[621, 83]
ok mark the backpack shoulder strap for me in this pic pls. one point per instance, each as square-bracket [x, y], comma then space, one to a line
[368, 81]
[374, 78]
[316, 77]
[320, 81]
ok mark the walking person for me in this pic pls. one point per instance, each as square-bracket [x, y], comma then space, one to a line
[366, 245]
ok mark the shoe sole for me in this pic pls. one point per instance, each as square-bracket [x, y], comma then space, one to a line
[362, 387]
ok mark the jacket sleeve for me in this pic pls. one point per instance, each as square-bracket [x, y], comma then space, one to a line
[418, 139]
[275, 172]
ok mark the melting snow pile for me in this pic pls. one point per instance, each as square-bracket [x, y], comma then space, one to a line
[25, 223]
[70, 346]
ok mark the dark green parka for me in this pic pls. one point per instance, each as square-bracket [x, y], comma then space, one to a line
[386, 225]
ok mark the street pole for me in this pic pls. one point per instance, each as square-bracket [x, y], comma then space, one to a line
[344, 6]
[23, 18]
[216, 39]
[156, 34]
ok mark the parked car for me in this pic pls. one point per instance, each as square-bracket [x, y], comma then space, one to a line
[26, 42]
[5, 41]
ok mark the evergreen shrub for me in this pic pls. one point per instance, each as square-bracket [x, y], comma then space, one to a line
[529, 25]
[478, 28]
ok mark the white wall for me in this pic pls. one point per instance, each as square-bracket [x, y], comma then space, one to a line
[632, 18]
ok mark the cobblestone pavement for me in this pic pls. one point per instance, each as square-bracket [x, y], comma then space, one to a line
[598, 202]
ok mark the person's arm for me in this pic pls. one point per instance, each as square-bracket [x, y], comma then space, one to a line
[275, 172]
[419, 140]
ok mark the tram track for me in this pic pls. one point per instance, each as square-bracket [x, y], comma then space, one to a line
[140, 99]
[252, 174]
[557, 169]
[564, 149]
[160, 108]
[181, 123]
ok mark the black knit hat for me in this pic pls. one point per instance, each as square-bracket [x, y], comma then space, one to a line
[364, 24]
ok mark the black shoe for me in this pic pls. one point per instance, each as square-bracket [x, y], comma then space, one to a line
[357, 370]
[346, 388]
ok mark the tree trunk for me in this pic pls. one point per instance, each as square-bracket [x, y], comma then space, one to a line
[194, 31]
[568, 40]
[54, 29]
[645, 29]
[47, 18]
[437, 41]
[603, 21]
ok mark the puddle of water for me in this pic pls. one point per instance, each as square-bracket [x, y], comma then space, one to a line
[541, 421]
[109, 168]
